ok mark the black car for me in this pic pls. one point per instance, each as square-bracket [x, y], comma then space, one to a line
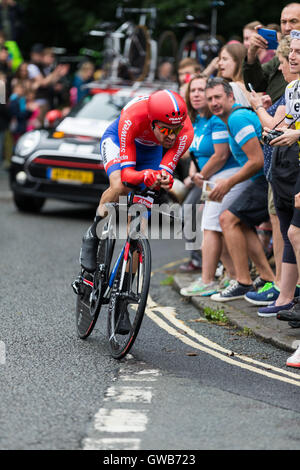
[64, 162]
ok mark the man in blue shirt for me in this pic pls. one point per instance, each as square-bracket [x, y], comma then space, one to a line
[238, 222]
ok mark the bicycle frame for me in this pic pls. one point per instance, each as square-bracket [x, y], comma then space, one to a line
[124, 253]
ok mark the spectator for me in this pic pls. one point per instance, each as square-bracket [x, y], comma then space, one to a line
[5, 67]
[84, 76]
[284, 188]
[267, 77]
[230, 67]
[34, 121]
[264, 55]
[5, 61]
[186, 69]
[42, 83]
[15, 54]
[270, 118]
[216, 161]
[61, 85]
[293, 316]
[48, 61]
[199, 114]
[21, 75]
[36, 61]
[19, 111]
[250, 209]
[166, 72]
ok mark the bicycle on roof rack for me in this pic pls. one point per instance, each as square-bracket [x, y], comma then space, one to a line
[198, 42]
[129, 52]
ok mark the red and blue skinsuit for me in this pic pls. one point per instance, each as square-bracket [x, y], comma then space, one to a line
[129, 144]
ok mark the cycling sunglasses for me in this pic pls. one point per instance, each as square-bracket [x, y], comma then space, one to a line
[168, 131]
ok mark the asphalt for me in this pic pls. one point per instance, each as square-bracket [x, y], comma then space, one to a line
[243, 315]
[5, 193]
[239, 313]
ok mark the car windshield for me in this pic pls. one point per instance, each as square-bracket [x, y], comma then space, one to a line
[104, 106]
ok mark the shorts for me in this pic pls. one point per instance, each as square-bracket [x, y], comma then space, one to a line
[271, 205]
[212, 210]
[288, 215]
[252, 205]
[146, 156]
[296, 213]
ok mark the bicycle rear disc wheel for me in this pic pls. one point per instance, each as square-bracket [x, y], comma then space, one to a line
[131, 301]
[89, 300]
[85, 322]
[138, 53]
[167, 48]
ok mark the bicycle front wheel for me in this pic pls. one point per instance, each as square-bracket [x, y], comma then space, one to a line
[128, 302]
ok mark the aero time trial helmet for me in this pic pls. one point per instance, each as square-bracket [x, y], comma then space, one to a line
[167, 106]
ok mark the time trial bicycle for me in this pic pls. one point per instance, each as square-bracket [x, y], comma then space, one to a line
[122, 285]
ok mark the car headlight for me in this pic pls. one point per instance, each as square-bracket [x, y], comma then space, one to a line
[27, 143]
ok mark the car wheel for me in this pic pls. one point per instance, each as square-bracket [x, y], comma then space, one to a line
[29, 203]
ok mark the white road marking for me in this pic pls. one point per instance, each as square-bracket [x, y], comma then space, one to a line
[213, 349]
[110, 421]
[107, 443]
[113, 420]
[120, 420]
[125, 394]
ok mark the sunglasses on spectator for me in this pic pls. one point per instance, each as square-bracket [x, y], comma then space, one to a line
[168, 131]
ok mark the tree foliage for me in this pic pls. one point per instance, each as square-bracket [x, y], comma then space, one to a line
[65, 22]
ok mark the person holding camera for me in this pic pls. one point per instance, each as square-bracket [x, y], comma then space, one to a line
[285, 184]
[268, 77]
[270, 116]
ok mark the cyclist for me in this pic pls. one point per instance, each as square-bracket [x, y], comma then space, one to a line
[132, 151]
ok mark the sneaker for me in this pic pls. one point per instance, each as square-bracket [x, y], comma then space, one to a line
[219, 271]
[224, 282]
[189, 267]
[88, 252]
[198, 288]
[272, 310]
[294, 360]
[290, 315]
[258, 283]
[264, 296]
[235, 290]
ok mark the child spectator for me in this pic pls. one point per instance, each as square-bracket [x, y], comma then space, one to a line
[84, 75]
[34, 121]
[19, 111]
[21, 75]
